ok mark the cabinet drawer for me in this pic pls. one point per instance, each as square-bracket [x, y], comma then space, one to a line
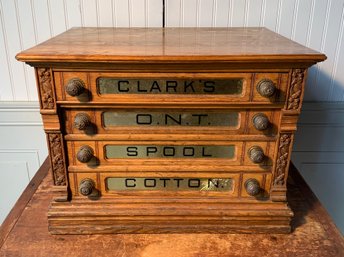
[218, 185]
[148, 122]
[106, 155]
[170, 88]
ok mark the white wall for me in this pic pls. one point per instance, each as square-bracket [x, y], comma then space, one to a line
[318, 24]
[24, 24]
[22, 150]
[315, 23]
[319, 154]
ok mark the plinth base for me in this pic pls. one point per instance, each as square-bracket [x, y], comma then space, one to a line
[182, 216]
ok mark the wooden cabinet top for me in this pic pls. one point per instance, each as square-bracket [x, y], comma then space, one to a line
[91, 45]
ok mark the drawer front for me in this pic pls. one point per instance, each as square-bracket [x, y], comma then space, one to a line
[179, 185]
[170, 88]
[171, 135]
[113, 155]
[140, 122]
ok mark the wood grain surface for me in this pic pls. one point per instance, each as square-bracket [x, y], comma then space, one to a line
[23, 200]
[169, 44]
[68, 69]
[313, 235]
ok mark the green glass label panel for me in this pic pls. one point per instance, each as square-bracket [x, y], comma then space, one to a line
[232, 86]
[170, 184]
[171, 151]
[118, 118]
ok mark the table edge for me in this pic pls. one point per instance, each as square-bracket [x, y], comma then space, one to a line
[12, 218]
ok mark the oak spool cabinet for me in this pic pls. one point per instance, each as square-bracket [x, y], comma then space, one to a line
[170, 130]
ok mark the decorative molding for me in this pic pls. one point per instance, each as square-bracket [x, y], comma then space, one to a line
[57, 161]
[20, 114]
[296, 89]
[288, 122]
[22, 106]
[322, 106]
[46, 88]
[282, 159]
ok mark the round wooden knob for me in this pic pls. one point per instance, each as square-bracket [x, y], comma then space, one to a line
[82, 121]
[260, 121]
[75, 87]
[266, 88]
[85, 154]
[86, 186]
[256, 154]
[252, 186]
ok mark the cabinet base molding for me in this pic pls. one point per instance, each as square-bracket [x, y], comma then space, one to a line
[108, 218]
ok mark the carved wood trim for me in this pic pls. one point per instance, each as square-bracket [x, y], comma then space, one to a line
[282, 160]
[296, 89]
[58, 164]
[45, 87]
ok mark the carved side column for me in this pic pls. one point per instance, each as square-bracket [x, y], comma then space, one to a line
[289, 118]
[58, 164]
[46, 91]
[296, 90]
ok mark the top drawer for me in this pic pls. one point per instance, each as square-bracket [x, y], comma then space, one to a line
[170, 88]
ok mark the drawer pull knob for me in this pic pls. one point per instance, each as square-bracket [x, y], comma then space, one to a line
[85, 154]
[86, 186]
[252, 186]
[266, 88]
[260, 121]
[256, 154]
[75, 87]
[82, 121]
